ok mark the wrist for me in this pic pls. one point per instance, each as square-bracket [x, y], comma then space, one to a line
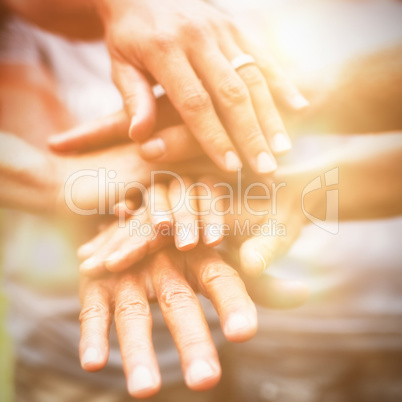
[106, 9]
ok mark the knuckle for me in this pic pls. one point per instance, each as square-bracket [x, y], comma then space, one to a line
[195, 29]
[163, 42]
[212, 271]
[254, 139]
[232, 91]
[195, 100]
[133, 308]
[194, 341]
[96, 310]
[217, 139]
[176, 296]
[252, 76]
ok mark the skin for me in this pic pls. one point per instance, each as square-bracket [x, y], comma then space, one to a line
[369, 207]
[369, 162]
[33, 177]
[172, 278]
[178, 44]
[344, 99]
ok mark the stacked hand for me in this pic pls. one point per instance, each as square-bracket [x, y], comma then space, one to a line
[172, 278]
[219, 81]
[148, 267]
[222, 87]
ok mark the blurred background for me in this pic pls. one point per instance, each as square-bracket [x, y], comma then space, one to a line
[348, 338]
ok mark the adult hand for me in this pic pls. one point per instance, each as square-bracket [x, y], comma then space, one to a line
[172, 278]
[263, 222]
[165, 277]
[93, 183]
[187, 46]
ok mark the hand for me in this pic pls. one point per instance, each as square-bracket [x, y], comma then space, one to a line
[168, 214]
[263, 225]
[93, 183]
[166, 277]
[186, 42]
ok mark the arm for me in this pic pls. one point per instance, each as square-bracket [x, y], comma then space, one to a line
[73, 18]
[25, 175]
[192, 50]
[34, 178]
[361, 95]
[364, 171]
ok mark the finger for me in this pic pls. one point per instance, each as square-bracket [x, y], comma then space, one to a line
[277, 293]
[211, 211]
[264, 106]
[125, 243]
[223, 286]
[173, 144]
[185, 319]
[95, 319]
[104, 131]
[278, 82]
[134, 329]
[139, 100]
[184, 214]
[159, 206]
[131, 251]
[89, 248]
[192, 101]
[125, 209]
[257, 253]
[137, 238]
[233, 100]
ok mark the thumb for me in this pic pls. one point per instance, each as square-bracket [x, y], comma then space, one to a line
[104, 131]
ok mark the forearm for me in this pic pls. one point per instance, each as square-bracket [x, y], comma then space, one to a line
[370, 177]
[362, 95]
[368, 172]
[26, 176]
[72, 18]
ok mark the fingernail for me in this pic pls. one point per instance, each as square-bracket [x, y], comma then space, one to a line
[185, 238]
[266, 163]
[236, 323]
[187, 242]
[89, 264]
[91, 355]
[86, 250]
[298, 101]
[281, 143]
[199, 371]
[232, 161]
[210, 239]
[262, 264]
[113, 258]
[161, 220]
[141, 379]
[131, 131]
[153, 149]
